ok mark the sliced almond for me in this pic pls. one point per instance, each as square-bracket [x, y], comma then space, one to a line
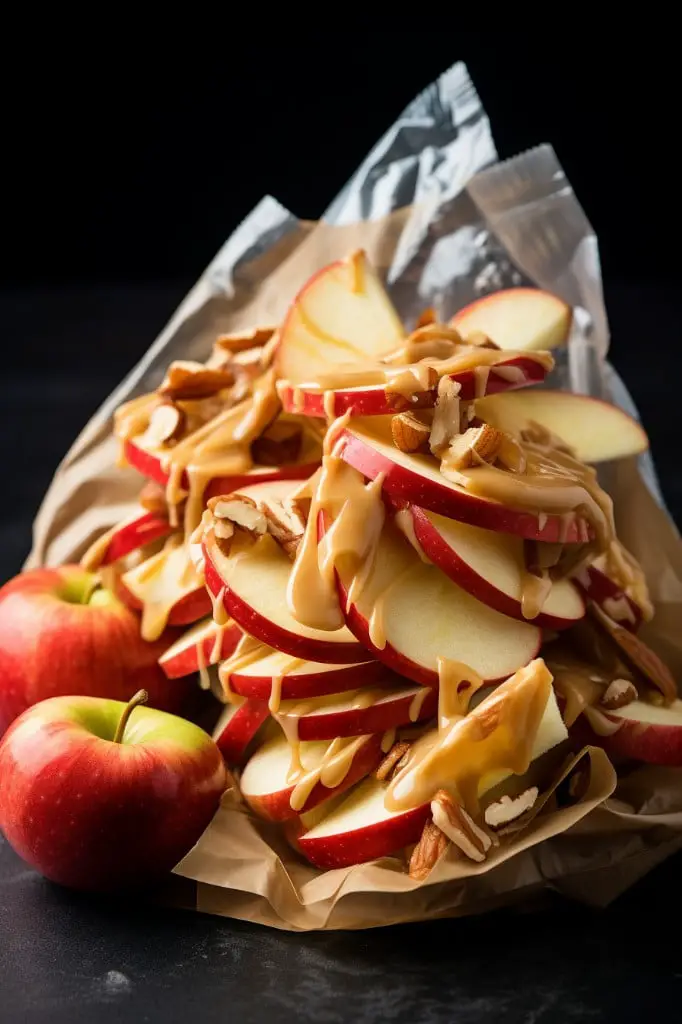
[446, 417]
[241, 341]
[474, 446]
[409, 433]
[241, 512]
[508, 808]
[619, 693]
[389, 767]
[187, 380]
[481, 340]
[428, 851]
[460, 827]
[166, 425]
[284, 525]
[638, 655]
[279, 445]
[153, 498]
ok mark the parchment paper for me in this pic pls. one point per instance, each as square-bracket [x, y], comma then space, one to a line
[444, 223]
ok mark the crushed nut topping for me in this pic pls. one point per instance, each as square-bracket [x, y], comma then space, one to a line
[166, 425]
[393, 762]
[618, 694]
[409, 433]
[460, 827]
[428, 851]
[474, 446]
[284, 524]
[446, 418]
[508, 809]
[187, 380]
[636, 653]
[241, 512]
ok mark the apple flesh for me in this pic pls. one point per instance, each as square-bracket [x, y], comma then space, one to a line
[490, 566]
[342, 315]
[525, 319]
[168, 582]
[366, 444]
[597, 431]
[134, 533]
[424, 616]
[237, 726]
[94, 814]
[373, 400]
[325, 718]
[60, 633]
[254, 588]
[303, 681]
[264, 782]
[183, 657]
[645, 733]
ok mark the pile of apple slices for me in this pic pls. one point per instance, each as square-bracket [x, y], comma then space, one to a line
[383, 671]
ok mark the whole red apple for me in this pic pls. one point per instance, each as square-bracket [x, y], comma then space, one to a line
[61, 633]
[98, 795]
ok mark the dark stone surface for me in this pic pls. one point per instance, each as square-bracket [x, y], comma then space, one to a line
[68, 959]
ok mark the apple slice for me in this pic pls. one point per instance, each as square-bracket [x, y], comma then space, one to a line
[525, 319]
[265, 780]
[490, 566]
[366, 444]
[132, 534]
[294, 828]
[596, 430]
[206, 643]
[167, 591]
[303, 680]
[359, 712]
[410, 614]
[237, 726]
[341, 315]
[253, 585]
[600, 588]
[645, 732]
[372, 400]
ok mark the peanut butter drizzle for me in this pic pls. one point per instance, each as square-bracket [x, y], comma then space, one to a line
[331, 771]
[580, 686]
[204, 678]
[417, 703]
[220, 616]
[217, 643]
[534, 593]
[357, 513]
[179, 578]
[470, 751]
[92, 559]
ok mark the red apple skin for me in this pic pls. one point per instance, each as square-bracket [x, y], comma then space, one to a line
[367, 843]
[312, 684]
[268, 633]
[148, 527]
[189, 609]
[150, 466]
[601, 588]
[96, 815]
[276, 806]
[636, 741]
[449, 562]
[234, 739]
[360, 721]
[405, 488]
[377, 403]
[186, 662]
[50, 646]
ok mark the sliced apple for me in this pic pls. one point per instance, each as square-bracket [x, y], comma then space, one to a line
[525, 319]
[596, 430]
[294, 828]
[341, 315]
[254, 588]
[366, 444]
[359, 712]
[166, 589]
[645, 732]
[237, 726]
[265, 781]
[410, 614]
[490, 567]
[132, 534]
[600, 588]
[206, 643]
[303, 680]
[372, 400]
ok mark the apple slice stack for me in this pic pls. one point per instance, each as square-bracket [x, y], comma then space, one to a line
[402, 549]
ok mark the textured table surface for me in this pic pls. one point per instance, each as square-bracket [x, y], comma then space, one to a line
[67, 958]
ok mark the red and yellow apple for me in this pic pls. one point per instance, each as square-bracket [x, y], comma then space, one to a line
[525, 319]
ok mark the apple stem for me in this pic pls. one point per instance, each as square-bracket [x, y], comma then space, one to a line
[141, 697]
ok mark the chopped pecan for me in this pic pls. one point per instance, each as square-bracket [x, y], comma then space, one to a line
[187, 380]
[446, 418]
[284, 524]
[428, 851]
[619, 693]
[474, 446]
[279, 445]
[166, 425]
[391, 764]
[241, 341]
[241, 512]
[409, 433]
[460, 827]
[153, 498]
[508, 808]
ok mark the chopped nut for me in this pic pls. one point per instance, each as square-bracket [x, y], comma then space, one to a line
[278, 445]
[428, 851]
[389, 766]
[284, 525]
[186, 380]
[242, 341]
[224, 529]
[153, 498]
[426, 317]
[638, 655]
[241, 512]
[166, 425]
[409, 433]
[475, 445]
[619, 693]
[481, 340]
[446, 418]
[509, 808]
[460, 827]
